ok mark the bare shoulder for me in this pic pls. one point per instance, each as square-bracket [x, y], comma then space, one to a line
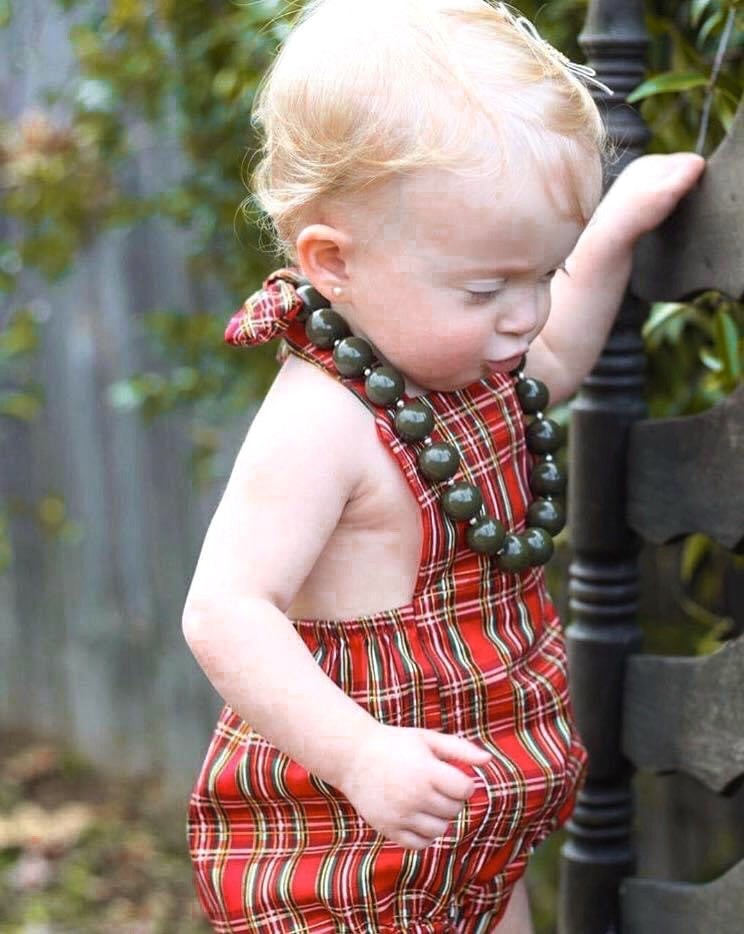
[301, 462]
[310, 413]
[305, 384]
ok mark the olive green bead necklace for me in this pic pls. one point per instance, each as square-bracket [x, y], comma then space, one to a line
[439, 462]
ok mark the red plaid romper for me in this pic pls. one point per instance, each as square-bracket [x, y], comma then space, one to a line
[477, 652]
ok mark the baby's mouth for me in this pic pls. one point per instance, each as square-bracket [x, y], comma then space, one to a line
[503, 366]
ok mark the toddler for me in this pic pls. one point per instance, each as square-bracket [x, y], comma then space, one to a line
[370, 599]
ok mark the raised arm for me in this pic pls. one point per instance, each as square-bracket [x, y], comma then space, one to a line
[585, 302]
[290, 483]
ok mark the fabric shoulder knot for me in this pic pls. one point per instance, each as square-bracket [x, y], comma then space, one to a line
[269, 312]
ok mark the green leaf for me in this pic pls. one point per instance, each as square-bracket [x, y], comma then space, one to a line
[709, 25]
[21, 405]
[20, 337]
[694, 550]
[712, 362]
[666, 82]
[657, 325]
[6, 13]
[723, 109]
[697, 9]
[51, 511]
[727, 344]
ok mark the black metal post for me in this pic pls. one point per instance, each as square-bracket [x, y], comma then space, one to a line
[604, 577]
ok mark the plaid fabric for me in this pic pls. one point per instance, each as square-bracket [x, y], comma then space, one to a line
[476, 652]
[267, 313]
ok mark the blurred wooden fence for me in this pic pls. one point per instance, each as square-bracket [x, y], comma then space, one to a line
[91, 648]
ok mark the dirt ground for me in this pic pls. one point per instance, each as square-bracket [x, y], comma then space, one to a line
[81, 853]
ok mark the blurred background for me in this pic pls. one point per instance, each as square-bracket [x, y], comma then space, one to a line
[125, 145]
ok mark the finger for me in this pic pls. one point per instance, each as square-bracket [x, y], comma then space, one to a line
[450, 746]
[452, 783]
[411, 841]
[444, 807]
[427, 827]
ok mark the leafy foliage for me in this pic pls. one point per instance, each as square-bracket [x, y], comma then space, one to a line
[695, 353]
[22, 398]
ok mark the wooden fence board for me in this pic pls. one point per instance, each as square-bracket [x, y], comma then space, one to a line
[686, 714]
[684, 254]
[90, 633]
[680, 908]
[685, 474]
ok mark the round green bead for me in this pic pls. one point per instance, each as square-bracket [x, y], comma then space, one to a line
[515, 555]
[486, 535]
[353, 356]
[462, 501]
[414, 422]
[384, 386]
[311, 298]
[439, 461]
[547, 479]
[540, 544]
[533, 395]
[547, 514]
[324, 327]
[544, 436]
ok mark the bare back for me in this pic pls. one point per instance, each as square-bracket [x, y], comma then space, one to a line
[371, 560]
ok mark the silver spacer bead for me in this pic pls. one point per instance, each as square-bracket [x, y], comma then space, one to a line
[367, 371]
[539, 416]
[401, 403]
[428, 441]
[336, 343]
[472, 521]
[548, 458]
[520, 375]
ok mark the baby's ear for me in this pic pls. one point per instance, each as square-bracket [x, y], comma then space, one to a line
[322, 252]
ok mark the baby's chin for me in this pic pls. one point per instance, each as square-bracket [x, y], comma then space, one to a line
[489, 369]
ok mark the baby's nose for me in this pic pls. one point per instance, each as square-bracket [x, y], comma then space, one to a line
[524, 314]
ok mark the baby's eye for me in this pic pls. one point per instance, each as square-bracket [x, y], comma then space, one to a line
[480, 298]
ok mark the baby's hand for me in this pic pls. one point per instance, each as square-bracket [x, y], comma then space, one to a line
[400, 784]
[645, 193]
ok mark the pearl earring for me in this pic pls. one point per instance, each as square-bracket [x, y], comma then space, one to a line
[337, 290]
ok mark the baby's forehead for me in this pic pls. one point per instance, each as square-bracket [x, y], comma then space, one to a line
[436, 204]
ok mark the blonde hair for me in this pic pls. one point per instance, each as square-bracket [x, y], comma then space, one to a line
[361, 92]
